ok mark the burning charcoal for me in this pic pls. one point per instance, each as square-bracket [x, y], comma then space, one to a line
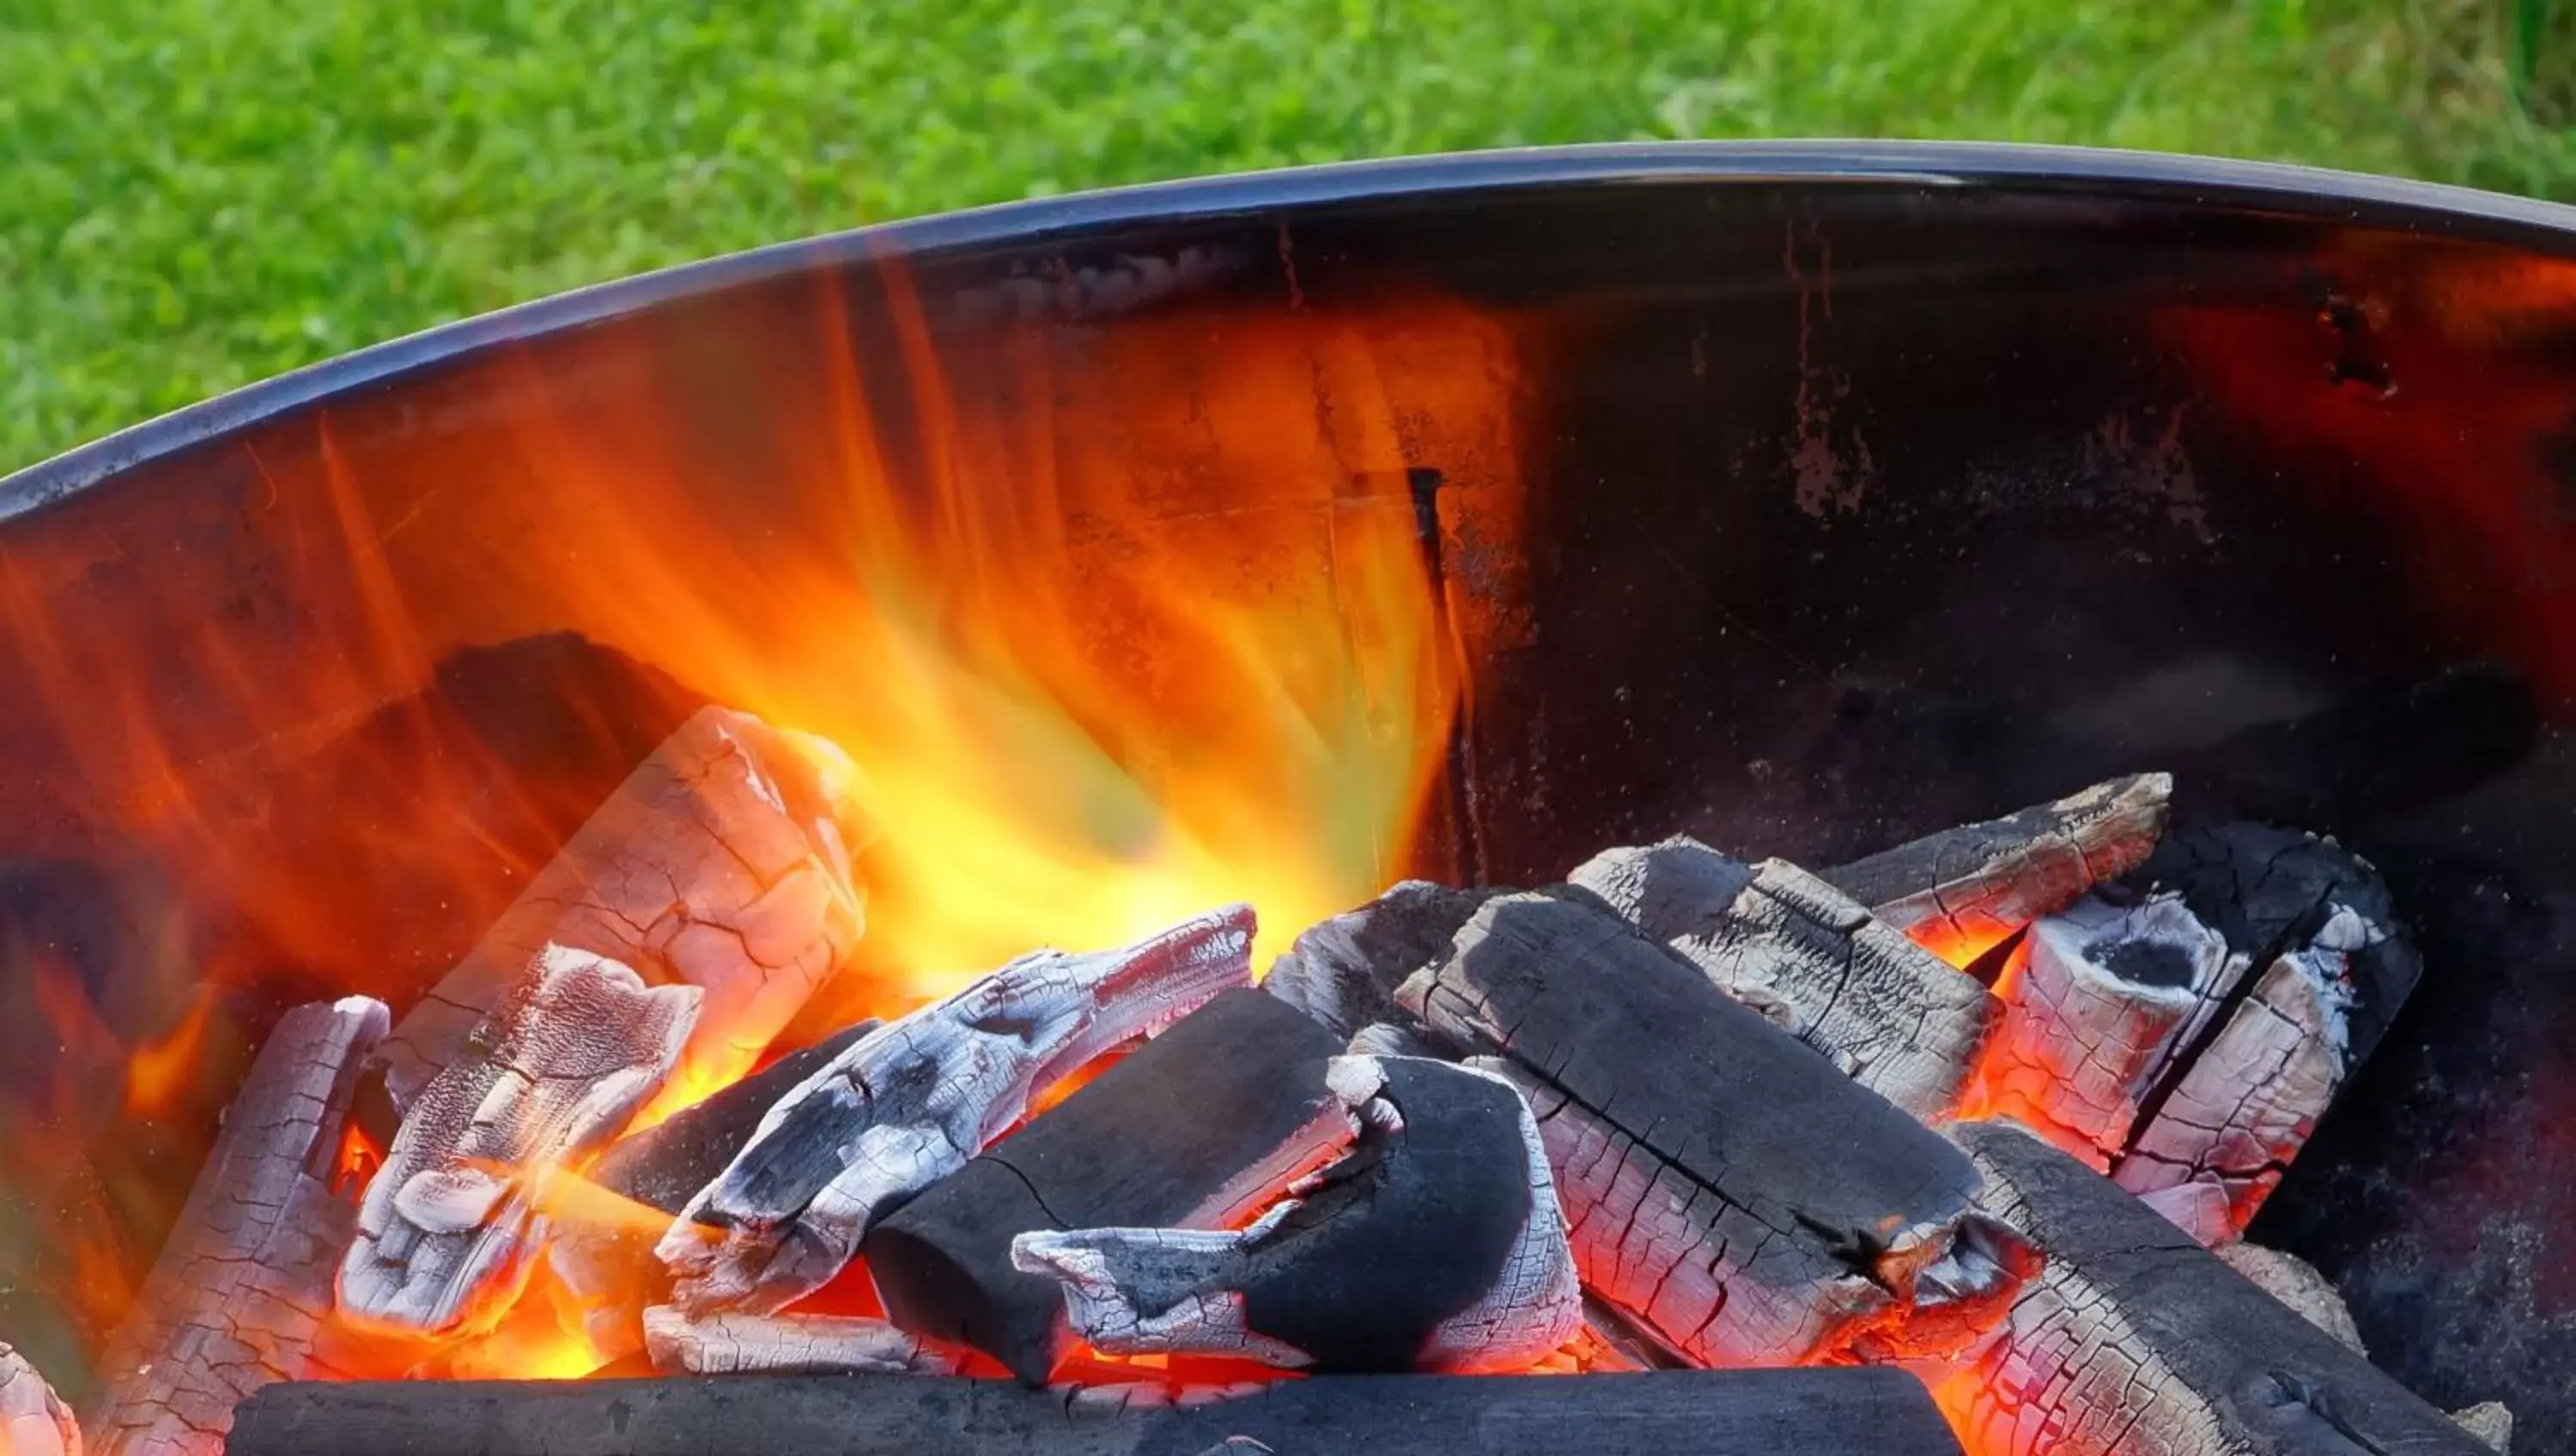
[1344, 971]
[2245, 1106]
[2297, 1285]
[666, 1164]
[813, 1344]
[1437, 1245]
[244, 1280]
[2135, 1341]
[1613, 1342]
[447, 1228]
[2272, 891]
[2092, 1023]
[608, 1263]
[1197, 1129]
[911, 1104]
[1896, 1018]
[1971, 888]
[2336, 966]
[723, 862]
[1671, 1413]
[33, 1420]
[1726, 1187]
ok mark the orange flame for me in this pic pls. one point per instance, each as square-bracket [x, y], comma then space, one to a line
[1119, 625]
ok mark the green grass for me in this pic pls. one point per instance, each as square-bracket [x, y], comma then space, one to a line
[197, 193]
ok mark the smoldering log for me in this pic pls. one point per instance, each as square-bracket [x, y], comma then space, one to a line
[1896, 1018]
[666, 1164]
[2134, 1339]
[608, 1264]
[723, 862]
[1195, 1129]
[1344, 971]
[1977, 885]
[33, 1420]
[785, 1344]
[2272, 891]
[1437, 1245]
[1848, 1412]
[448, 1223]
[2337, 964]
[912, 1103]
[2245, 1106]
[1725, 1187]
[2092, 1023]
[244, 1279]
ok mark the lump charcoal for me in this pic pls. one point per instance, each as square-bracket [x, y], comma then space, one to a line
[2135, 1341]
[1975, 886]
[1723, 1185]
[1194, 1130]
[912, 1103]
[1437, 1245]
[1893, 1016]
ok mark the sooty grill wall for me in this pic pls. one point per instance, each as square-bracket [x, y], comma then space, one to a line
[1851, 495]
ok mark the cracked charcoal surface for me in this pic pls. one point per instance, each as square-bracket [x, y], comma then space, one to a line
[1984, 882]
[1437, 1245]
[723, 862]
[2081, 1045]
[2270, 890]
[912, 1103]
[2247, 1104]
[2135, 1341]
[1199, 1128]
[735, 1343]
[1343, 972]
[447, 1224]
[1723, 1184]
[1896, 1018]
[244, 1279]
[33, 1420]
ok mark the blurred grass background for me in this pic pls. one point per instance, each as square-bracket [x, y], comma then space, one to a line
[197, 193]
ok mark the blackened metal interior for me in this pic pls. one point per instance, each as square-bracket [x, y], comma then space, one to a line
[1868, 490]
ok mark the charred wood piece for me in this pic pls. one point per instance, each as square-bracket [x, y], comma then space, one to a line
[1893, 1016]
[2274, 891]
[910, 1105]
[33, 1420]
[1197, 1129]
[1671, 1413]
[1970, 888]
[609, 1264]
[784, 1344]
[448, 1224]
[1437, 1245]
[2335, 964]
[666, 1164]
[2093, 1020]
[1724, 1186]
[2241, 1111]
[723, 862]
[1344, 971]
[244, 1281]
[2135, 1341]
